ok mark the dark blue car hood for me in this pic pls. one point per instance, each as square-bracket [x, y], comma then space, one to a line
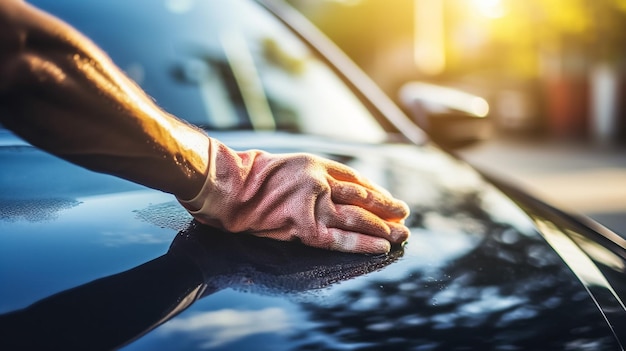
[88, 261]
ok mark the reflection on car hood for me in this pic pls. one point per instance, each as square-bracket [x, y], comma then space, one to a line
[93, 261]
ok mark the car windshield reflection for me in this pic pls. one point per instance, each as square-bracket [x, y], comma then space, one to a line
[227, 65]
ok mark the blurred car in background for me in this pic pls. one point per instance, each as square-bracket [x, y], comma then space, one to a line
[90, 261]
[451, 117]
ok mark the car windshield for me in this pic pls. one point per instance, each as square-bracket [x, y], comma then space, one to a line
[223, 65]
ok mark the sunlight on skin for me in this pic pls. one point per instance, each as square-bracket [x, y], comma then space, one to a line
[58, 78]
[82, 87]
[192, 143]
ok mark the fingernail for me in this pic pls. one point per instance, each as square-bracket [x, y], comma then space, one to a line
[405, 208]
[400, 209]
[382, 247]
[400, 234]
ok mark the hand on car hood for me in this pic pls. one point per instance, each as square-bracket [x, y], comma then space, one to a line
[262, 265]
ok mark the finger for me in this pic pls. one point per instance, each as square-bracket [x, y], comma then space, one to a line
[386, 207]
[399, 233]
[344, 173]
[336, 239]
[332, 239]
[359, 220]
[347, 241]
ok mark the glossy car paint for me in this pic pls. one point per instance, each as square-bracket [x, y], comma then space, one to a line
[475, 273]
[88, 261]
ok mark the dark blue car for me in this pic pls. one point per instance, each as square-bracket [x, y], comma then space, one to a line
[92, 262]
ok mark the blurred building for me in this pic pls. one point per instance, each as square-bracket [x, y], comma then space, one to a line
[549, 67]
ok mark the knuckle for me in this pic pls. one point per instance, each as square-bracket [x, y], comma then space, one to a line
[324, 238]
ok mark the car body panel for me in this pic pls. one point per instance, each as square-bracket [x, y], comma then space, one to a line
[90, 261]
[474, 268]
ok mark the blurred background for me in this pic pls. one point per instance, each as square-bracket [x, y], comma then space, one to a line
[552, 71]
[547, 67]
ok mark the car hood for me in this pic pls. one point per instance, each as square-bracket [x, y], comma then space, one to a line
[92, 261]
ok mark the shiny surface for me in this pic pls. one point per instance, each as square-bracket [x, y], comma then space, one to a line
[89, 261]
[475, 273]
[228, 65]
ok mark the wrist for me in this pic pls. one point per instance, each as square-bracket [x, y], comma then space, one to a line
[191, 161]
[225, 176]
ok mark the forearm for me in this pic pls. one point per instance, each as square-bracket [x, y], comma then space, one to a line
[63, 94]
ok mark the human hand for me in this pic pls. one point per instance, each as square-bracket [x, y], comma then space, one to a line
[302, 197]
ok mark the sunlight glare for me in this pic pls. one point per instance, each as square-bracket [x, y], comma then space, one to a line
[490, 8]
[429, 36]
[346, 2]
[179, 6]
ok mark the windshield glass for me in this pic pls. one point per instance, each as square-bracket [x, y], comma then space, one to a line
[223, 65]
